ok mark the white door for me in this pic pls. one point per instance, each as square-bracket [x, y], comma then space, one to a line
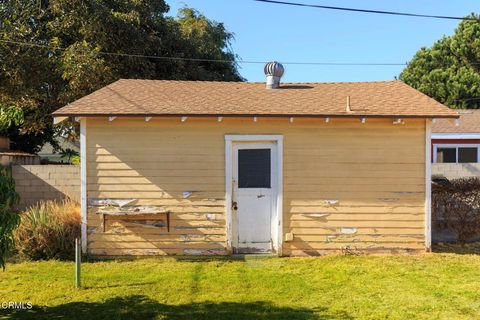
[253, 198]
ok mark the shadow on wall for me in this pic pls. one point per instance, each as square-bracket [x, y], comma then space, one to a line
[183, 173]
[456, 170]
[35, 183]
[178, 174]
[141, 307]
[473, 168]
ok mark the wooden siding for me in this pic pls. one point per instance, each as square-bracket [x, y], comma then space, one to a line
[376, 172]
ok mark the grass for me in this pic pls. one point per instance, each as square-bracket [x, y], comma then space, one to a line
[430, 286]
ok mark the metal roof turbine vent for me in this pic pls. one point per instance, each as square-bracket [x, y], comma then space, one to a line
[274, 71]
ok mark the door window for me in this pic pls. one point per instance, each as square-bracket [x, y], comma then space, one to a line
[254, 168]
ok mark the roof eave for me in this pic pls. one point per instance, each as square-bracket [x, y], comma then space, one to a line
[335, 115]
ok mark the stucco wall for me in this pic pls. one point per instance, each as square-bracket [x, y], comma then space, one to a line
[456, 170]
[46, 182]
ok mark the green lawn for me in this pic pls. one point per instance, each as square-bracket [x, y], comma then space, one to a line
[431, 286]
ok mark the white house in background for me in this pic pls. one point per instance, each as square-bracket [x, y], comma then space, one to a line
[456, 145]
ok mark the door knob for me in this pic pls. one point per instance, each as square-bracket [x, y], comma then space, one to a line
[234, 205]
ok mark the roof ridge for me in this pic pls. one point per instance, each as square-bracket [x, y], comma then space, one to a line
[260, 82]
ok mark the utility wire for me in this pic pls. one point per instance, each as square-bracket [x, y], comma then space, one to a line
[207, 60]
[468, 99]
[417, 15]
[29, 44]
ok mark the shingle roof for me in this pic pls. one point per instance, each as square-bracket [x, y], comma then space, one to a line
[165, 97]
[469, 122]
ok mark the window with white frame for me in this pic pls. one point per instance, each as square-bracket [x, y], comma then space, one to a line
[451, 153]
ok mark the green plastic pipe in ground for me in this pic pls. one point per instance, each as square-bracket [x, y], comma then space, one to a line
[78, 261]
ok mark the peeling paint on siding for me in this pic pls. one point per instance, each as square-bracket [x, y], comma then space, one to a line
[348, 230]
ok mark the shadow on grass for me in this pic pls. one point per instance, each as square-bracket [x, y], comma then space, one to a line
[129, 284]
[141, 307]
[468, 248]
[185, 258]
[215, 258]
[225, 258]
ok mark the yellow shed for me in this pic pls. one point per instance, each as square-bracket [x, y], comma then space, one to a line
[197, 168]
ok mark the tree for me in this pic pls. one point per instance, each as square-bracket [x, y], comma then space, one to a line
[82, 45]
[9, 116]
[9, 219]
[68, 153]
[449, 71]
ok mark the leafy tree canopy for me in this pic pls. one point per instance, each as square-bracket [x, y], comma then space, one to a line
[449, 71]
[71, 61]
[9, 116]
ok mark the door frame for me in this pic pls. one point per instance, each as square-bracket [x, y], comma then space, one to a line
[237, 216]
[230, 139]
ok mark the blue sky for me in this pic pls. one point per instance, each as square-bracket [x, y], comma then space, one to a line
[283, 33]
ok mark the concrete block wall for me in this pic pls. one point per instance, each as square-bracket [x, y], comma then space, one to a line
[456, 170]
[13, 159]
[46, 182]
